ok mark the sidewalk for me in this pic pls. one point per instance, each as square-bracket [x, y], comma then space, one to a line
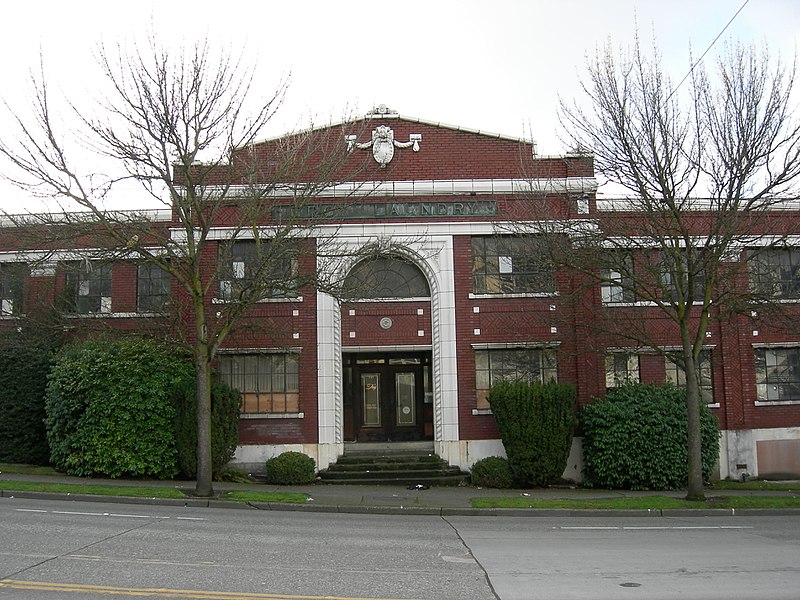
[378, 499]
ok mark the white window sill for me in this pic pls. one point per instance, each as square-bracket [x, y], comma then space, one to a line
[482, 411]
[776, 403]
[516, 295]
[262, 301]
[272, 415]
[114, 315]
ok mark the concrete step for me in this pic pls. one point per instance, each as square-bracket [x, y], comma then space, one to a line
[392, 466]
[392, 474]
[442, 481]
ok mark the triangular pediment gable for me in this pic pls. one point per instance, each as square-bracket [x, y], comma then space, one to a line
[385, 145]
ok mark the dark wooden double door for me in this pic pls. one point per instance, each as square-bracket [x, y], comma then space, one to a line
[387, 397]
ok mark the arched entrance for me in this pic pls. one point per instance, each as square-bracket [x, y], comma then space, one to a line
[386, 352]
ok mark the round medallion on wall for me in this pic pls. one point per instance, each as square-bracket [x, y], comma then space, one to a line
[386, 323]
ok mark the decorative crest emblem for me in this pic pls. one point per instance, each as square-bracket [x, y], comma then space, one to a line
[383, 142]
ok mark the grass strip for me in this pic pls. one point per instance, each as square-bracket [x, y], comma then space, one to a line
[27, 469]
[146, 492]
[643, 503]
[757, 485]
[270, 497]
[92, 490]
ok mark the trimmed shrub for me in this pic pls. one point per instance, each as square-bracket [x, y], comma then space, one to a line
[109, 409]
[493, 472]
[290, 468]
[535, 422]
[635, 438]
[23, 380]
[225, 404]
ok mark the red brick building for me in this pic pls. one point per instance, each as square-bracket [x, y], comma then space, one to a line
[450, 307]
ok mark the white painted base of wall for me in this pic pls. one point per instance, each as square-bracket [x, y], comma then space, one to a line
[252, 458]
[738, 453]
[739, 449]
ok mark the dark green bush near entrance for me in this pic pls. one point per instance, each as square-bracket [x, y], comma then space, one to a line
[493, 472]
[290, 468]
[535, 422]
[24, 366]
[635, 438]
[225, 405]
[109, 408]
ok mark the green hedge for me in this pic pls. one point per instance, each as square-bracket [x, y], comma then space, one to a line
[535, 422]
[635, 438]
[225, 406]
[24, 366]
[109, 408]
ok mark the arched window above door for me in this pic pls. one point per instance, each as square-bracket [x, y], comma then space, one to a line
[387, 276]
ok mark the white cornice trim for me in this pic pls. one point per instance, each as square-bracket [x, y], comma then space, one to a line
[424, 187]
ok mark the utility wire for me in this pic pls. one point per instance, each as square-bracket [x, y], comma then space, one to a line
[711, 45]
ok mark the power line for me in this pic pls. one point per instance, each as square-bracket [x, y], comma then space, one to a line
[711, 45]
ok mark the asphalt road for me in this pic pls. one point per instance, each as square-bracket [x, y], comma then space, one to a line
[72, 550]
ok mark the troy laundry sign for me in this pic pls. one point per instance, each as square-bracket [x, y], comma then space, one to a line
[386, 210]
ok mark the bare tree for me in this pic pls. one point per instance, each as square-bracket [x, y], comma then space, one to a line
[184, 125]
[705, 172]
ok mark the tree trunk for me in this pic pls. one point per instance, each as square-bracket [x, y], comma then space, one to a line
[204, 468]
[695, 489]
[202, 366]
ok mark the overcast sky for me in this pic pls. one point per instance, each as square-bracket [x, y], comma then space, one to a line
[497, 66]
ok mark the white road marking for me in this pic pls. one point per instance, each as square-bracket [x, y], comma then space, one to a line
[648, 527]
[99, 514]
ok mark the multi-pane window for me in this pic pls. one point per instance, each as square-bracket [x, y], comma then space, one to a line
[254, 270]
[776, 273]
[511, 264]
[621, 367]
[682, 277]
[152, 288]
[269, 383]
[616, 283]
[88, 287]
[777, 374]
[386, 277]
[11, 275]
[515, 364]
[676, 374]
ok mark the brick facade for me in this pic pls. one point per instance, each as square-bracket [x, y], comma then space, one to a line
[430, 207]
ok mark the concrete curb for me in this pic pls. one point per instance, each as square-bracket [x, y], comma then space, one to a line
[442, 511]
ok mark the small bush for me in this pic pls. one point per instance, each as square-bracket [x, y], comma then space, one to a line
[225, 404]
[493, 472]
[535, 422]
[635, 438]
[291, 468]
[109, 409]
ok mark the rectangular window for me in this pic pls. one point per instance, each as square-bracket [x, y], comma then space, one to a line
[621, 367]
[88, 287]
[676, 374]
[617, 281]
[251, 270]
[510, 264]
[269, 383]
[775, 273]
[152, 289]
[682, 277]
[11, 278]
[516, 364]
[777, 374]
